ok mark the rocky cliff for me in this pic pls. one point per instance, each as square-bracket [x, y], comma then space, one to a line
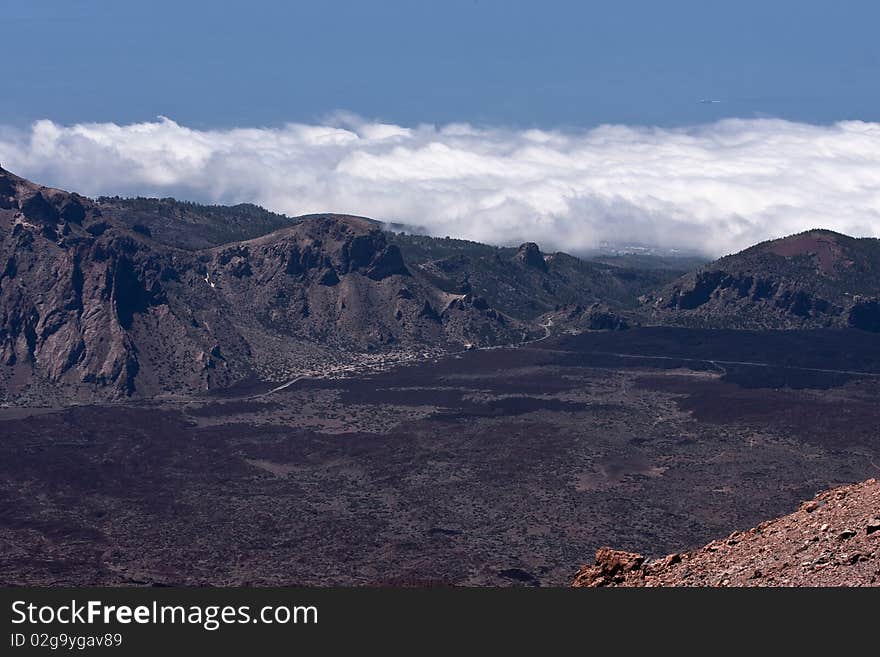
[92, 308]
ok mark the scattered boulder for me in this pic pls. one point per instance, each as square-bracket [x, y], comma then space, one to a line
[611, 567]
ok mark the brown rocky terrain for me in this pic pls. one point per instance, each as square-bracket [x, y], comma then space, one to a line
[338, 282]
[92, 308]
[117, 298]
[491, 467]
[296, 400]
[831, 540]
[811, 280]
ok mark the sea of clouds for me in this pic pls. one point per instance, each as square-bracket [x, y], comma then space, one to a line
[713, 188]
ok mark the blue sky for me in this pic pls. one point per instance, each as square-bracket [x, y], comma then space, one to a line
[565, 122]
[551, 64]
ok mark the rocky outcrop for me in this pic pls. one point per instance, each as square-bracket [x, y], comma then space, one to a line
[91, 308]
[810, 280]
[611, 567]
[832, 540]
[338, 281]
[721, 288]
[529, 255]
[343, 245]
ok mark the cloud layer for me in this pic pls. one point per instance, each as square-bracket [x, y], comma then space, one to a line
[713, 188]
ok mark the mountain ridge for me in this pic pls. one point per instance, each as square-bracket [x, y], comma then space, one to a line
[93, 308]
[96, 304]
[814, 279]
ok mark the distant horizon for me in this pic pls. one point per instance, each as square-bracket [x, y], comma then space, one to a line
[684, 124]
[518, 64]
[712, 189]
[603, 249]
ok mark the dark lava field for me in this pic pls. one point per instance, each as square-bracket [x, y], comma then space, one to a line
[492, 467]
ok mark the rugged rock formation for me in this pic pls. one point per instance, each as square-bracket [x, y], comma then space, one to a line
[832, 540]
[338, 281]
[530, 255]
[814, 279]
[92, 308]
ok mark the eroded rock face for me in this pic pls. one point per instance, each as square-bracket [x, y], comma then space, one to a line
[596, 317]
[102, 317]
[386, 262]
[343, 245]
[94, 309]
[723, 288]
[89, 309]
[37, 209]
[7, 191]
[338, 280]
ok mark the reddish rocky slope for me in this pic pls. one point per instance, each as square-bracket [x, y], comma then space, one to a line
[832, 540]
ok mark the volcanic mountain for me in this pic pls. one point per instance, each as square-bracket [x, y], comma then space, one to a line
[832, 540]
[814, 279]
[93, 307]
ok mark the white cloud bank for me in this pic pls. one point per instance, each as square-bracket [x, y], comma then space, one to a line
[715, 188]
